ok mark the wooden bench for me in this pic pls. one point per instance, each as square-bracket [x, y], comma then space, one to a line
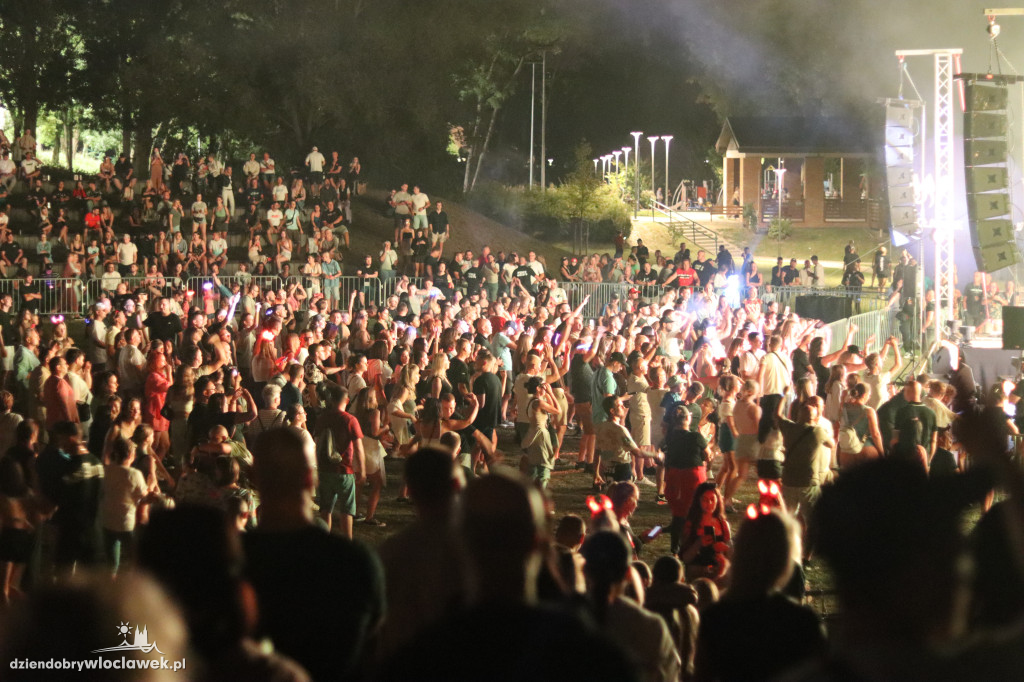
[727, 211]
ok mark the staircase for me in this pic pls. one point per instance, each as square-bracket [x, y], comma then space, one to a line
[685, 229]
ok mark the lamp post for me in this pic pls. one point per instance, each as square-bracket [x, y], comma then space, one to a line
[654, 188]
[668, 197]
[617, 153]
[779, 174]
[595, 166]
[626, 151]
[636, 171]
[533, 108]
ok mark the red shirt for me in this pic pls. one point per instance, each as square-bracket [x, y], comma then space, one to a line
[157, 386]
[59, 401]
[685, 278]
[346, 431]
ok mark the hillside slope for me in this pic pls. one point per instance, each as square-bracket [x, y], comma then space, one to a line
[470, 230]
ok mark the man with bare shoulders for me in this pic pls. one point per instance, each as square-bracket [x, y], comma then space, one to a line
[746, 416]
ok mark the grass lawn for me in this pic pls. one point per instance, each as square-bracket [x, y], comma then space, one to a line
[569, 489]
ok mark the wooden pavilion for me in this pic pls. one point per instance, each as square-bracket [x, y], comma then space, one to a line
[828, 162]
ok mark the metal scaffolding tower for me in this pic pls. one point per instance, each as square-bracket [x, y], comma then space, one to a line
[942, 220]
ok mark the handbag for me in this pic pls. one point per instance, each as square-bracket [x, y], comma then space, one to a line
[167, 412]
[84, 412]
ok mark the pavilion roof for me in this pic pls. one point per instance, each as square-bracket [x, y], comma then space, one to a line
[774, 135]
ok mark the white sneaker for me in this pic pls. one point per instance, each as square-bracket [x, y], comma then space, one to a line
[647, 481]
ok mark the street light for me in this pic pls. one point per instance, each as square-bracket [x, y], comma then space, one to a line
[654, 189]
[668, 197]
[606, 167]
[625, 163]
[617, 154]
[636, 173]
[779, 174]
[595, 166]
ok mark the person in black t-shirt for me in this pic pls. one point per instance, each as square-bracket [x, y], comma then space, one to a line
[458, 371]
[974, 301]
[522, 276]
[776, 280]
[291, 561]
[164, 325]
[31, 294]
[440, 230]
[774, 633]
[371, 280]
[642, 252]
[123, 170]
[420, 250]
[473, 278]
[880, 267]
[791, 273]
[646, 275]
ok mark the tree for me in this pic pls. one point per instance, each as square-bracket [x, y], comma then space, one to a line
[38, 56]
[490, 72]
[581, 186]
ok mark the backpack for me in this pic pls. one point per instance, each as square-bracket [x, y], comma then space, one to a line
[849, 440]
[327, 457]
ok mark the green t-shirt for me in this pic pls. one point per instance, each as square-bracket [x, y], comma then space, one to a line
[604, 385]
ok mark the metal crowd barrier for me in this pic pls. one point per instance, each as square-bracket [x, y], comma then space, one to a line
[71, 296]
[878, 323]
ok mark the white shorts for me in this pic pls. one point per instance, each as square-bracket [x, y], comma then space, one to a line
[373, 453]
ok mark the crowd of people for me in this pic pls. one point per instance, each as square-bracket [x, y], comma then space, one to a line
[232, 442]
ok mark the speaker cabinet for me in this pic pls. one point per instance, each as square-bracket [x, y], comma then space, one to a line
[1013, 328]
[995, 258]
[995, 232]
[983, 124]
[982, 152]
[985, 206]
[987, 179]
[984, 97]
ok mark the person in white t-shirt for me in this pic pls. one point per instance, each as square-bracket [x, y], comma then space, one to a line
[534, 264]
[402, 203]
[279, 193]
[315, 162]
[31, 168]
[127, 254]
[776, 373]
[420, 203]
[275, 217]
[124, 490]
[268, 170]
[251, 168]
[7, 171]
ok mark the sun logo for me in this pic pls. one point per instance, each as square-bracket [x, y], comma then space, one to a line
[124, 629]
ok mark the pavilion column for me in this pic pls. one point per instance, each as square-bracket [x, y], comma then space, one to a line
[814, 191]
[750, 180]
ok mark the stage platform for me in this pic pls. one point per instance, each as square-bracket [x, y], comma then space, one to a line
[990, 362]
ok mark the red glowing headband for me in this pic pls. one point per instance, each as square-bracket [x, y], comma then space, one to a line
[598, 503]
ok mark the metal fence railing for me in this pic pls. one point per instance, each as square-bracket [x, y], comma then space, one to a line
[878, 323]
[863, 300]
[72, 296]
